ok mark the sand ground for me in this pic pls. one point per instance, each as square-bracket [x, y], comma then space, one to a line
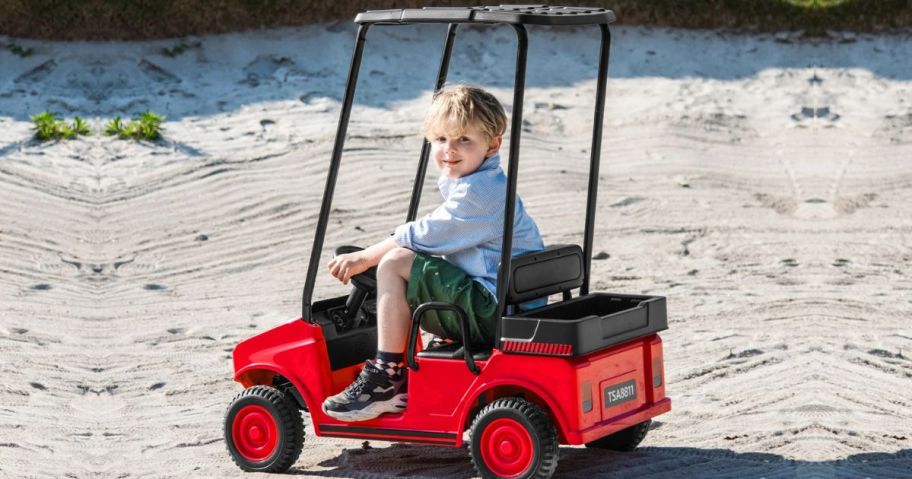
[761, 183]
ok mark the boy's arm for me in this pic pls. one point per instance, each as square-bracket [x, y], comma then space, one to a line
[463, 221]
[345, 266]
[375, 253]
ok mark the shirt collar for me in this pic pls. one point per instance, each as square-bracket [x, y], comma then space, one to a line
[446, 184]
[490, 163]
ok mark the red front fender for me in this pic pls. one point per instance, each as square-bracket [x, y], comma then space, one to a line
[295, 350]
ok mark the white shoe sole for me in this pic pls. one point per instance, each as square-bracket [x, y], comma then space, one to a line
[372, 411]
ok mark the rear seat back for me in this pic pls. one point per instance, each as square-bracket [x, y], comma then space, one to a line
[556, 269]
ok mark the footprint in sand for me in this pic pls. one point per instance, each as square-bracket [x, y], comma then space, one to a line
[157, 73]
[815, 114]
[38, 73]
[264, 68]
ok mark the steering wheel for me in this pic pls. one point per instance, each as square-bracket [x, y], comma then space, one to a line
[362, 285]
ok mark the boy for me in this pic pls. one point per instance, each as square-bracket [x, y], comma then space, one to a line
[465, 127]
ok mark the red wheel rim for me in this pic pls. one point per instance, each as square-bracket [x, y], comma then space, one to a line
[255, 433]
[506, 448]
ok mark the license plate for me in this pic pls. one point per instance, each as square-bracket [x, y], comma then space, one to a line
[620, 393]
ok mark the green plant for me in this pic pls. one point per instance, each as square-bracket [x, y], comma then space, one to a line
[150, 125]
[180, 48]
[147, 126]
[114, 127]
[80, 127]
[17, 49]
[49, 127]
[45, 125]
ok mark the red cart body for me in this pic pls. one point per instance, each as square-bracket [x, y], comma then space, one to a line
[443, 393]
[587, 369]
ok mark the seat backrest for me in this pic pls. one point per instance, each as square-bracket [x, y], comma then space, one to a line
[555, 269]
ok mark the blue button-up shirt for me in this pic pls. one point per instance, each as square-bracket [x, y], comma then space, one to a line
[467, 229]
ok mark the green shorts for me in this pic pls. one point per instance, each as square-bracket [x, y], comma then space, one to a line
[436, 279]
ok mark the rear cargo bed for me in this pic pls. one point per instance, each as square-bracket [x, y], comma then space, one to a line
[584, 324]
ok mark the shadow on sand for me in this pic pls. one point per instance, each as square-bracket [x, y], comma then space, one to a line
[402, 460]
[226, 73]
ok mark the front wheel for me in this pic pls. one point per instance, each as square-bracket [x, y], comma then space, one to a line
[513, 438]
[263, 430]
[623, 440]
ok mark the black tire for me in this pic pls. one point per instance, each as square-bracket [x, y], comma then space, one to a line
[284, 433]
[623, 440]
[516, 418]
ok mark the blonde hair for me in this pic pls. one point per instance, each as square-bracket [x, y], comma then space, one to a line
[456, 107]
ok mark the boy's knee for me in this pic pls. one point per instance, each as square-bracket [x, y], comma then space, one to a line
[398, 260]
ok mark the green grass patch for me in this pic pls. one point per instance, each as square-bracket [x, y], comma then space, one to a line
[114, 127]
[146, 126]
[80, 127]
[17, 50]
[179, 48]
[48, 127]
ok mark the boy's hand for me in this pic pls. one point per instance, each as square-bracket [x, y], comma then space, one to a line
[345, 266]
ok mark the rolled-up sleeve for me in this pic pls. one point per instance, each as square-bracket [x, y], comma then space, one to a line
[464, 220]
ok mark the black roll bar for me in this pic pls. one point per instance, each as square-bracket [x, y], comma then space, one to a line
[426, 146]
[418, 315]
[504, 270]
[519, 86]
[347, 100]
[595, 155]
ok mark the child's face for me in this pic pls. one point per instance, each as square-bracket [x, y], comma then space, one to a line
[460, 155]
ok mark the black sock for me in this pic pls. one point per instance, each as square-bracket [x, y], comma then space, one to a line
[392, 364]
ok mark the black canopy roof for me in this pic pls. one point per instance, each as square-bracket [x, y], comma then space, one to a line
[514, 14]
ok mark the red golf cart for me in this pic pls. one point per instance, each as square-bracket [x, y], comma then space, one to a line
[586, 370]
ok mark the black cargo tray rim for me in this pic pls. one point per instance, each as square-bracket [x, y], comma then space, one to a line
[576, 337]
[645, 299]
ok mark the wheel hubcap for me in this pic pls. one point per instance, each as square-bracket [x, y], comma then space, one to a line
[506, 448]
[255, 433]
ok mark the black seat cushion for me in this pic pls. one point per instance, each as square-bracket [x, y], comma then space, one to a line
[452, 351]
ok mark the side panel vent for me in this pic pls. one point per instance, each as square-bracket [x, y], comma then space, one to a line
[547, 349]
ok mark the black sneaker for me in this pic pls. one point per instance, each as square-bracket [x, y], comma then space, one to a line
[373, 393]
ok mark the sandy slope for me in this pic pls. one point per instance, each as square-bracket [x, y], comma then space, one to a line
[763, 185]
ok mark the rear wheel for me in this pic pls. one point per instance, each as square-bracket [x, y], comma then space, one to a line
[623, 440]
[513, 438]
[263, 430]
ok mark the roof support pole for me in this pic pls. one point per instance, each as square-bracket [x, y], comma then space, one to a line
[595, 156]
[426, 147]
[519, 85]
[317, 248]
